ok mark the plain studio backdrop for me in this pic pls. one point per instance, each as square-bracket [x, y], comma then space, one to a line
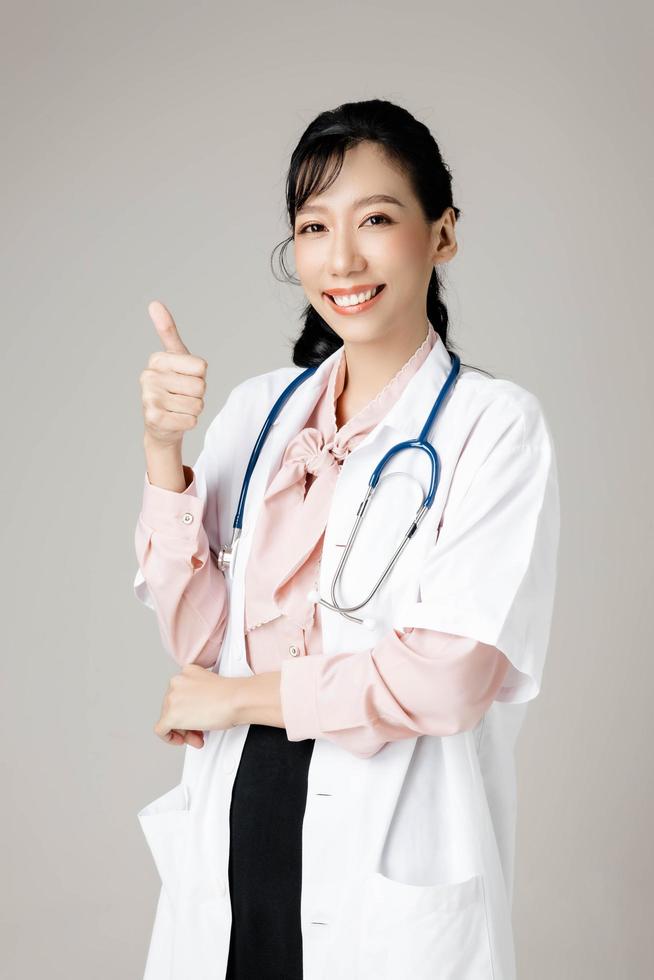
[145, 148]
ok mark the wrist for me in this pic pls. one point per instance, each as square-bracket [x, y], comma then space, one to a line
[164, 466]
[155, 447]
[256, 700]
[239, 712]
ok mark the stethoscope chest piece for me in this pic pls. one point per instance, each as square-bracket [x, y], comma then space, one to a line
[226, 557]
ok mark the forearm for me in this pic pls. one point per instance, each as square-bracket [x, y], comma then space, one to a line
[423, 682]
[257, 700]
[187, 590]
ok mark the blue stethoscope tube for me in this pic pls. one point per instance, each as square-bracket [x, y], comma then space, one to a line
[227, 554]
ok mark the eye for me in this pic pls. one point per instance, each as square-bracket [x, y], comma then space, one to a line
[387, 220]
[315, 224]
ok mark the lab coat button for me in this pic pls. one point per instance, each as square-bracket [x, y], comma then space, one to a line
[187, 518]
[293, 650]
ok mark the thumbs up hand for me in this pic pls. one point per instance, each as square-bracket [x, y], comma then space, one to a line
[172, 385]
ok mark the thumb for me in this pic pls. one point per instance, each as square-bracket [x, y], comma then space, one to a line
[166, 328]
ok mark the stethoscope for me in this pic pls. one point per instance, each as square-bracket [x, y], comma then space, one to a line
[226, 556]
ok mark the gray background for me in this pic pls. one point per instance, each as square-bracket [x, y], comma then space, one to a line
[144, 154]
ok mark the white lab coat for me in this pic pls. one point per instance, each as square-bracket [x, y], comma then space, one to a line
[407, 854]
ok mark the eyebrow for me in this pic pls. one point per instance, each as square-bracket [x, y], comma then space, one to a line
[371, 199]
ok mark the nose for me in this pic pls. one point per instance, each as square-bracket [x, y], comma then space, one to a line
[344, 257]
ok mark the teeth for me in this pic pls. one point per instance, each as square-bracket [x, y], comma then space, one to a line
[355, 298]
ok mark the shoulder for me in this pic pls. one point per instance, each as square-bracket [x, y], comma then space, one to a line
[269, 384]
[498, 408]
[503, 449]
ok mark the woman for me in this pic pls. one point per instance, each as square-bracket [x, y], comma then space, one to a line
[351, 813]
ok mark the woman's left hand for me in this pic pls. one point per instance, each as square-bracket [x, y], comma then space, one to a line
[197, 700]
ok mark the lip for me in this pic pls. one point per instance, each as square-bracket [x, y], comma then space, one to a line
[357, 307]
[354, 289]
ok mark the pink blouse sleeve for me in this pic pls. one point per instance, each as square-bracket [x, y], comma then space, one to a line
[188, 590]
[422, 682]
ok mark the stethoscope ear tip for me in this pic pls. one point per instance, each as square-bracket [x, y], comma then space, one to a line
[368, 624]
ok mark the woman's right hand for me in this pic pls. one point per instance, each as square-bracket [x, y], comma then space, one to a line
[172, 385]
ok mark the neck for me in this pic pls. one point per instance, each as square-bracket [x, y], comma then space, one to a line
[369, 367]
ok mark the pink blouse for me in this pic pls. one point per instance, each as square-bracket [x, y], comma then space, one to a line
[418, 682]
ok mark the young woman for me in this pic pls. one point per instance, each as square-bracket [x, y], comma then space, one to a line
[347, 803]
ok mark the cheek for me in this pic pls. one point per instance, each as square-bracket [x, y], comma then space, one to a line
[310, 279]
[307, 263]
[404, 249]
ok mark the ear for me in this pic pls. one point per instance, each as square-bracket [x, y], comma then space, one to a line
[435, 239]
[444, 244]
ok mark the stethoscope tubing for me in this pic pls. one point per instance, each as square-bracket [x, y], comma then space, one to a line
[258, 446]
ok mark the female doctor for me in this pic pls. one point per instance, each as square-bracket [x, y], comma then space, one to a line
[347, 804]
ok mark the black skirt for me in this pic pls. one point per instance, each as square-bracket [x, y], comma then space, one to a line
[265, 856]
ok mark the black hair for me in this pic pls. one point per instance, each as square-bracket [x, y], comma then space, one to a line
[323, 144]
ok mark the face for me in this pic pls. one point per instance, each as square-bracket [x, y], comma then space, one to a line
[342, 245]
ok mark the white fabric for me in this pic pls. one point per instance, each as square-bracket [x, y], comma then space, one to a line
[492, 572]
[407, 855]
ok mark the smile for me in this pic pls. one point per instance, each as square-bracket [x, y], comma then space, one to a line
[352, 304]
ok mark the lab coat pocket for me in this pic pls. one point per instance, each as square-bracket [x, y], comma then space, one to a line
[426, 932]
[165, 824]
